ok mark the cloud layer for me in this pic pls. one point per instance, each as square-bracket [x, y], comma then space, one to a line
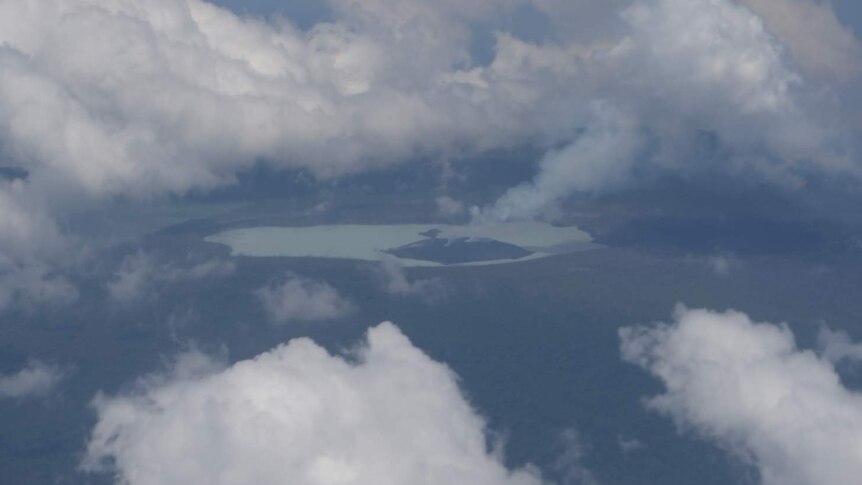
[113, 97]
[102, 99]
[296, 414]
[747, 387]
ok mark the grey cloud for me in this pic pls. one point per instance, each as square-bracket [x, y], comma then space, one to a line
[37, 379]
[449, 207]
[302, 299]
[628, 444]
[680, 69]
[141, 272]
[601, 158]
[819, 44]
[132, 279]
[108, 96]
[721, 264]
[836, 346]
[570, 462]
[32, 250]
[113, 98]
[396, 282]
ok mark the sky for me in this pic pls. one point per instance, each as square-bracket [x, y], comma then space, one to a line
[131, 130]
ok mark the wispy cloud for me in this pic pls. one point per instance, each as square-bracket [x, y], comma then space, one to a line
[141, 273]
[396, 281]
[37, 379]
[301, 299]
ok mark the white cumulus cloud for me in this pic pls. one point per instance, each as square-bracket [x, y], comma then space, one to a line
[298, 415]
[748, 387]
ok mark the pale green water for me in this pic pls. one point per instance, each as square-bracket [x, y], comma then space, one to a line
[366, 242]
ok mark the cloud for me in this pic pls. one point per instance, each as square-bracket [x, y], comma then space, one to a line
[37, 379]
[820, 45]
[33, 252]
[107, 99]
[395, 281]
[449, 207]
[836, 346]
[141, 272]
[296, 414]
[683, 71]
[628, 444]
[104, 97]
[34, 284]
[599, 159]
[302, 299]
[720, 264]
[132, 279]
[570, 462]
[747, 387]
